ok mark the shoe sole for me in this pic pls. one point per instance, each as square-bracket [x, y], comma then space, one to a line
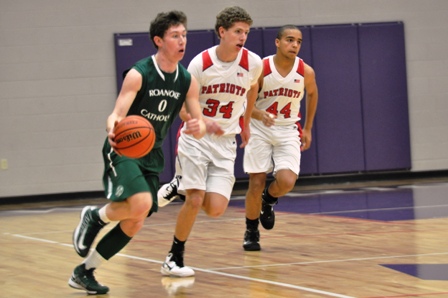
[77, 286]
[76, 233]
[252, 248]
[162, 202]
[166, 272]
[73, 284]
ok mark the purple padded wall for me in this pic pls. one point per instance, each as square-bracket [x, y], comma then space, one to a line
[129, 48]
[339, 114]
[384, 96]
[197, 41]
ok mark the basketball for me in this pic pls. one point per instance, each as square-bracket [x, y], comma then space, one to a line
[134, 136]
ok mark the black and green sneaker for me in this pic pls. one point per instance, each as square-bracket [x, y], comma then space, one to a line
[89, 226]
[83, 279]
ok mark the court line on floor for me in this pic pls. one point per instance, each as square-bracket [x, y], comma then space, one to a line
[285, 285]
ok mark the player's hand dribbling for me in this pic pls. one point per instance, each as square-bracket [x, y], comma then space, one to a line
[111, 137]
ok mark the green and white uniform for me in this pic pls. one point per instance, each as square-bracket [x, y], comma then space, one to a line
[159, 100]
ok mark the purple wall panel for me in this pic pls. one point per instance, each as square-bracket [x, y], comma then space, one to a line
[308, 163]
[197, 41]
[384, 96]
[129, 48]
[339, 120]
[254, 41]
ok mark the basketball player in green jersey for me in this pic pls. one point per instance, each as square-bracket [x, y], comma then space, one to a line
[155, 88]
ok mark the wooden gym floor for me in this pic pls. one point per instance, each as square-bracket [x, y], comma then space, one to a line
[366, 240]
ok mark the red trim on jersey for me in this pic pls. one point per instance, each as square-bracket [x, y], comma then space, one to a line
[206, 60]
[242, 123]
[244, 62]
[266, 67]
[178, 136]
[299, 125]
[301, 68]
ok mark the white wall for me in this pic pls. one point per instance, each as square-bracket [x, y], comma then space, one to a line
[57, 76]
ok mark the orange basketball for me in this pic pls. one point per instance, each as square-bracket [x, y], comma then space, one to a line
[134, 136]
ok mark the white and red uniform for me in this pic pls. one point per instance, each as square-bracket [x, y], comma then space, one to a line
[277, 147]
[210, 160]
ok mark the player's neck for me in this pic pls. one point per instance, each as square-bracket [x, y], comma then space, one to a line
[166, 64]
[224, 55]
[283, 64]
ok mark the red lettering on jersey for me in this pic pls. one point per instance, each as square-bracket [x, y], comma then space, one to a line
[223, 88]
[244, 62]
[206, 60]
[282, 92]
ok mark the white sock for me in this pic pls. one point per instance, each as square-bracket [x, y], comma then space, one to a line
[103, 216]
[94, 260]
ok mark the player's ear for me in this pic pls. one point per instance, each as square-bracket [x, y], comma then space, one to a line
[221, 31]
[158, 41]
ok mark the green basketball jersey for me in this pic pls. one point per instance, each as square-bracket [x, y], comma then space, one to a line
[161, 95]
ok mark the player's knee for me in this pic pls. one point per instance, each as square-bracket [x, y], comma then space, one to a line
[194, 202]
[257, 182]
[141, 204]
[286, 184]
[214, 213]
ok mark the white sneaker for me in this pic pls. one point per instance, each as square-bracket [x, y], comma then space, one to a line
[170, 268]
[174, 285]
[168, 192]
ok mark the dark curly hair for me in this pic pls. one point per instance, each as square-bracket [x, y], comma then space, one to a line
[230, 15]
[164, 21]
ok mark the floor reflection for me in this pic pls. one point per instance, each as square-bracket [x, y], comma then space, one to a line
[379, 203]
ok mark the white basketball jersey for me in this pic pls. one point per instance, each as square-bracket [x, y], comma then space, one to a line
[224, 86]
[280, 95]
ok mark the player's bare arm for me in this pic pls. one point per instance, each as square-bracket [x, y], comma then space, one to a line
[252, 94]
[311, 106]
[131, 85]
[192, 114]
